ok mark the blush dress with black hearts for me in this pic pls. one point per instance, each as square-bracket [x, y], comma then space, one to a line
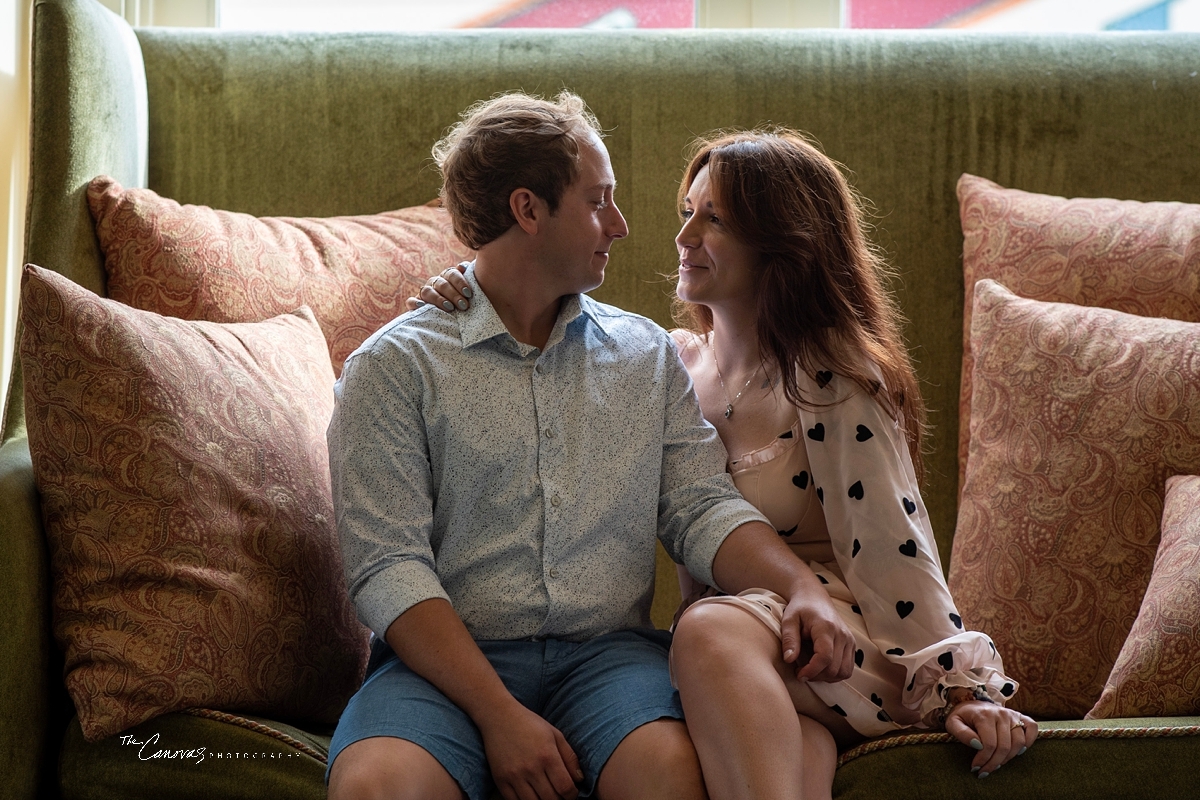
[839, 486]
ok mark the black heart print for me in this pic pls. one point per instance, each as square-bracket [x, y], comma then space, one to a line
[785, 435]
[821, 495]
[817, 432]
[856, 491]
[823, 378]
[858, 657]
[904, 608]
[864, 433]
[855, 549]
[883, 716]
[946, 660]
[838, 709]
[909, 506]
[790, 530]
[896, 651]
[957, 620]
[1007, 689]
[876, 699]
[821, 578]
[909, 549]
[856, 610]
[801, 480]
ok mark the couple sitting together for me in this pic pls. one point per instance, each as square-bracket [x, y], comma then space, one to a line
[501, 474]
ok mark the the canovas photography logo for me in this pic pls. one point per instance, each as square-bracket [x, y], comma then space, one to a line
[152, 748]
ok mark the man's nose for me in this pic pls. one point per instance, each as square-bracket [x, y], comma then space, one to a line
[618, 228]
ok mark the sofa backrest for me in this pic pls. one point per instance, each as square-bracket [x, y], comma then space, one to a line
[325, 124]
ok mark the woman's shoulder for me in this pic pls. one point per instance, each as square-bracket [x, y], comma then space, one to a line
[688, 343]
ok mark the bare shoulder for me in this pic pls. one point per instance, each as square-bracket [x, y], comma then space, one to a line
[688, 344]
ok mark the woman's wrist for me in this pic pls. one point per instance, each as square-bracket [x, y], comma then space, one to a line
[956, 696]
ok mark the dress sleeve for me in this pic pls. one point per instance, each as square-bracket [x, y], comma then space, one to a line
[885, 547]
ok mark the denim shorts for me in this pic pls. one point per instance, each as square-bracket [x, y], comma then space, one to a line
[595, 692]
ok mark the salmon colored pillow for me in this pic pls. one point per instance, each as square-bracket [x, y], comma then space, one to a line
[1157, 673]
[185, 496]
[194, 262]
[1140, 258]
[1078, 418]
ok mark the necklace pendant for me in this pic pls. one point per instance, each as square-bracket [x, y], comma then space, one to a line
[728, 410]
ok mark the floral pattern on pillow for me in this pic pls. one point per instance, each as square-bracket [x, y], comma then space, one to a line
[1079, 416]
[195, 262]
[185, 496]
[1140, 258]
[1157, 673]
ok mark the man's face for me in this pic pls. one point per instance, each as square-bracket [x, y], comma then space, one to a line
[578, 235]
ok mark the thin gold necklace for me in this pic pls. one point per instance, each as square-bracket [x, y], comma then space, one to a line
[729, 403]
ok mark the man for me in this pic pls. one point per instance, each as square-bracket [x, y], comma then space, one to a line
[499, 478]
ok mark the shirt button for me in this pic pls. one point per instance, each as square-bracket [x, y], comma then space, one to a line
[555, 501]
[549, 433]
[553, 573]
[537, 368]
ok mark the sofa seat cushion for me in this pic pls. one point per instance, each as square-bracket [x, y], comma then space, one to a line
[184, 483]
[1100, 760]
[200, 263]
[188, 757]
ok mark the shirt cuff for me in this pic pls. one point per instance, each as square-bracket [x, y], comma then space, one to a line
[387, 594]
[714, 527]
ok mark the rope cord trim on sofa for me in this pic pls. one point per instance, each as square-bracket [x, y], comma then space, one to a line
[257, 727]
[1054, 733]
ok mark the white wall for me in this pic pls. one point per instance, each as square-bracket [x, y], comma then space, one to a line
[15, 33]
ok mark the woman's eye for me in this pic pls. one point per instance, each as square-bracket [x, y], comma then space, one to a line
[687, 213]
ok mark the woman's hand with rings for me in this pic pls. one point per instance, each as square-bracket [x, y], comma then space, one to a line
[448, 290]
[998, 733]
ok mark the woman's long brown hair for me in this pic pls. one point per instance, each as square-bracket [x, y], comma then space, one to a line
[822, 303]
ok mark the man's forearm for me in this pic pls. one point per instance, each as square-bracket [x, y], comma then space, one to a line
[753, 557]
[432, 641]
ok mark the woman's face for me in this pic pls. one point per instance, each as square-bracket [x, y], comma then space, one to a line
[715, 267]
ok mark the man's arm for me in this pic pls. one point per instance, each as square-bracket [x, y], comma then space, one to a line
[523, 750]
[752, 556]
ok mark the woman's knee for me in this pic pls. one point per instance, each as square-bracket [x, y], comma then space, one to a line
[716, 634]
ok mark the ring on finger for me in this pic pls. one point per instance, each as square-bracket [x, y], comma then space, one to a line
[1018, 724]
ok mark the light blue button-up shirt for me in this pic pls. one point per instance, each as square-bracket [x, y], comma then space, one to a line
[525, 486]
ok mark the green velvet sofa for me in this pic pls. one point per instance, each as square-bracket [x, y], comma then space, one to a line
[329, 124]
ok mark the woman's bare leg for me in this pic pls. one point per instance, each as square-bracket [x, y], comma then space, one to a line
[759, 732]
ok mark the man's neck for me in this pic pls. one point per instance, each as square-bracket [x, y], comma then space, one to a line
[516, 291]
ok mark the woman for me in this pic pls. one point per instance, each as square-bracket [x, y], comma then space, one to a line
[795, 350]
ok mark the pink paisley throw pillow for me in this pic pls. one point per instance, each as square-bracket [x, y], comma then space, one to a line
[185, 495]
[1140, 258]
[1157, 673]
[194, 262]
[1078, 417]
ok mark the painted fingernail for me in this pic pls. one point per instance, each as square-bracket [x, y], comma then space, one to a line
[468, 292]
[978, 745]
[446, 304]
[420, 303]
[984, 774]
[463, 305]
[1021, 752]
[974, 769]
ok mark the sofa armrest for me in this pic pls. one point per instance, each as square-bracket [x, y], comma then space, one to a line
[30, 689]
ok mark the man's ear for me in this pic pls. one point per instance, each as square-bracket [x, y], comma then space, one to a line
[527, 209]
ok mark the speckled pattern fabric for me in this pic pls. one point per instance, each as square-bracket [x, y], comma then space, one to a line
[525, 486]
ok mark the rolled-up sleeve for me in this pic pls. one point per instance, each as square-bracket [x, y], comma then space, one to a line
[382, 487]
[699, 506]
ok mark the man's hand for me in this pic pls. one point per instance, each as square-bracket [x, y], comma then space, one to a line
[529, 758]
[811, 617]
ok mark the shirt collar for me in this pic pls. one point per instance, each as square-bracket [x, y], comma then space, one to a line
[482, 322]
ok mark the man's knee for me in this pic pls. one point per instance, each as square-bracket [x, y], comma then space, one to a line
[656, 760]
[395, 769]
